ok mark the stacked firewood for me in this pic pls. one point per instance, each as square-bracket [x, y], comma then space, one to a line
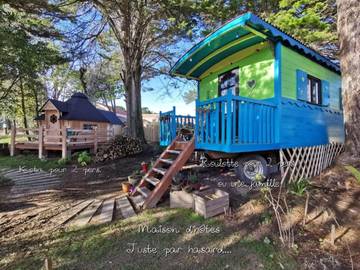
[119, 147]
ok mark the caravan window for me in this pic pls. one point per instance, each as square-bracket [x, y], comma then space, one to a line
[314, 90]
[229, 81]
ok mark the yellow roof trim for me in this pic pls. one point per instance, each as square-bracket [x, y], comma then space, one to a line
[234, 58]
[220, 50]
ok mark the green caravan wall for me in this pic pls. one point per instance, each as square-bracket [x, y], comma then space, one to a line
[259, 67]
[291, 61]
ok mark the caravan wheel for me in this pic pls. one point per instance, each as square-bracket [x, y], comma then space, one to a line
[252, 168]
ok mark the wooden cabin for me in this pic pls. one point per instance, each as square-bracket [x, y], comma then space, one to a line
[66, 126]
[259, 90]
[76, 113]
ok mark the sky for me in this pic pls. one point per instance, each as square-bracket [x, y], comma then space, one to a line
[157, 100]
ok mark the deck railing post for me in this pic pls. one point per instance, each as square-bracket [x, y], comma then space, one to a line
[12, 140]
[173, 125]
[63, 143]
[95, 140]
[228, 118]
[196, 127]
[41, 142]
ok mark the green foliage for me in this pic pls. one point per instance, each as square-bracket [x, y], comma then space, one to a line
[299, 187]
[311, 21]
[355, 172]
[64, 161]
[146, 110]
[265, 218]
[193, 178]
[26, 53]
[84, 158]
[28, 162]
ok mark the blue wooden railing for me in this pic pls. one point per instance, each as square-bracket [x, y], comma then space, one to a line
[170, 123]
[232, 124]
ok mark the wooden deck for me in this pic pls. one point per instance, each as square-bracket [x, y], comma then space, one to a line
[64, 140]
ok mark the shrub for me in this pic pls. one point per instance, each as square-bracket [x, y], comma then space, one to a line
[355, 172]
[299, 187]
[84, 158]
[63, 161]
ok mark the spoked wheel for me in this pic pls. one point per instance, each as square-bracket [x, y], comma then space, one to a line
[252, 168]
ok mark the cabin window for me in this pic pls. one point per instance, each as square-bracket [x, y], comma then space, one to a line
[53, 118]
[89, 126]
[229, 81]
[314, 90]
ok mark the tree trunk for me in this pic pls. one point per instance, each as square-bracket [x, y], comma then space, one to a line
[23, 107]
[132, 85]
[82, 72]
[349, 33]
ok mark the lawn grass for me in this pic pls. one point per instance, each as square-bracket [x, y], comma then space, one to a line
[27, 162]
[105, 247]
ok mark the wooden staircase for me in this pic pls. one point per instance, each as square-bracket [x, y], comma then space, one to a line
[157, 181]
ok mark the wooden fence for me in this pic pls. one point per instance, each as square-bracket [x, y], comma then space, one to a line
[58, 139]
[306, 162]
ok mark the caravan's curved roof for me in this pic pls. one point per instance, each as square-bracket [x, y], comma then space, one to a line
[242, 32]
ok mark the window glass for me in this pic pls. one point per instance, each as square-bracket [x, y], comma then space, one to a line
[314, 90]
[89, 126]
[229, 81]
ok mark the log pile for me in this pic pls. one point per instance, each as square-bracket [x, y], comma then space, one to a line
[119, 147]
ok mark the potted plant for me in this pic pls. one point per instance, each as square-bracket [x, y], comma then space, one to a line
[177, 182]
[126, 187]
[194, 182]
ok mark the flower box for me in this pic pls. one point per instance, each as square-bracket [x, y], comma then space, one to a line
[211, 202]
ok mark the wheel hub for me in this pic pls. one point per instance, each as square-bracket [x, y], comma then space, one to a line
[253, 168]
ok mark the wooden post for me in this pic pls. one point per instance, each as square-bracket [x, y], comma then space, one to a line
[12, 140]
[332, 235]
[63, 142]
[95, 140]
[48, 264]
[41, 142]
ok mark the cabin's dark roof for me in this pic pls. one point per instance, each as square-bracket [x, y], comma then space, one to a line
[60, 105]
[238, 34]
[111, 117]
[78, 107]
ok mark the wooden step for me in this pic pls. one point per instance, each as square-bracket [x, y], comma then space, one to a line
[176, 152]
[70, 213]
[158, 170]
[107, 211]
[125, 207]
[85, 216]
[167, 161]
[138, 201]
[180, 145]
[152, 180]
[144, 191]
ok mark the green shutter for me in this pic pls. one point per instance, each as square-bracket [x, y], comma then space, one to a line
[325, 89]
[301, 84]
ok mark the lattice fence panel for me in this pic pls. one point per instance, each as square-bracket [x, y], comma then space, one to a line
[306, 162]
